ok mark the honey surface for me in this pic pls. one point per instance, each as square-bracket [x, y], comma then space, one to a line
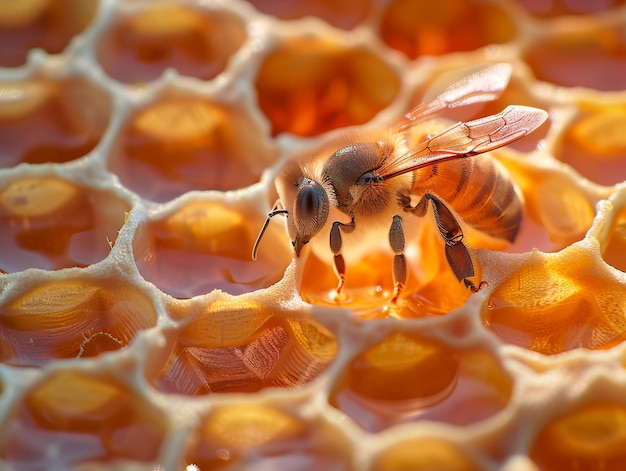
[140, 142]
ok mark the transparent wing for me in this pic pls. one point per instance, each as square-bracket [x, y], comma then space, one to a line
[466, 139]
[485, 85]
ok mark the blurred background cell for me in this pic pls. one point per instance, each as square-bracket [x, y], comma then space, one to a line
[51, 223]
[71, 318]
[46, 24]
[307, 86]
[50, 120]
[557, 8]
[181, 143]
[346, 14]
[436, 28]
[140, 45]
[202, 246]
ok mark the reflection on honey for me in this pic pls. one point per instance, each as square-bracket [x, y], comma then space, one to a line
[407, 379]
[324, 88]
[183, 143]
[423, 454]
[90, 419]
[245, 349]
[51, 223]
[206, 246]
[590, 438]
[558, 303]
[141, 46]
[50, 121]
[422, 29]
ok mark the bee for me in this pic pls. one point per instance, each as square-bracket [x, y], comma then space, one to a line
[377, 183]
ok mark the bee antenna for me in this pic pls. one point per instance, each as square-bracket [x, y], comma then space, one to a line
[270, 215]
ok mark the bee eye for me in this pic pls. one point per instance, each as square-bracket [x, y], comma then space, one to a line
[310, 208]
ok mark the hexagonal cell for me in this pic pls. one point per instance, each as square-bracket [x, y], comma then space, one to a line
[143, 42]
[385, 385]
[245, 347]
[207, 245]
[265, 437]
[422, 454]
[346, 14]
[45, 24]
[614, 246]
[71, 318]
[73, 419]
[308, 86]
[182, 142]
[588, 438]
[560, 302]
[595, 143]
[427, 28]
[50, 223]
[590, 57]
[556, 8]
[48, 120]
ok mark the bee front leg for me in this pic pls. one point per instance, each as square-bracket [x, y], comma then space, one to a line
[396, 241]
[457, 254]
[339, 262]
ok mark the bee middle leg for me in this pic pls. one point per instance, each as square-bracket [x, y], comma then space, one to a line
[397, 242]
[457, 254]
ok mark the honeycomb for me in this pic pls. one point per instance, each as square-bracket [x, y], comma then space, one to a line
[139, 144]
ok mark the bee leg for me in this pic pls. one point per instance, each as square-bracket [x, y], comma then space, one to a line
[339, 263]
[396, 241]
[457, 254]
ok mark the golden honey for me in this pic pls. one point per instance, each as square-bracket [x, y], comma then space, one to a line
[139, 145]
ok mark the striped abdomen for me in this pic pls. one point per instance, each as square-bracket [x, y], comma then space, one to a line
[478, 189]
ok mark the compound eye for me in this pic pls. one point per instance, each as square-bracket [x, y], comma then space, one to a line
[310, 208]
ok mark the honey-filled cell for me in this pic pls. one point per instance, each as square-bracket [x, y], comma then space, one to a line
[557, 303]
[265, 437]
[73, 318]
[45, 24]
[203, 246]
[346, 14]
[244, 348]
[592, 58]
[591, 438]
[181, 143]
[614, 247]
[45, 120]
[73, 419]
[422, 454]
[435, 28]
[405, 379]
[595, 144]
[51, 223]
[307, 86]
[140, 45]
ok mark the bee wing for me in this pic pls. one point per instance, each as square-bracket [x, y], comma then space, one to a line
[466, 139]
[485, 85]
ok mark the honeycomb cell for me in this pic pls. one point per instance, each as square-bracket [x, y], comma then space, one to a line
[307, 86]
[45, 24]
[45, 120]
[427, 28]
[72, 318]
[182, 143]
[51, 223]
[142, 44]
[590, 438]
[592, 57]
[346, 14]
[207, 245]
[76, 419]
[422, 454]
[595, 144]
[264, 437]
[405, 378]
[552, 8]
[614, 247]
[245, 347]
[557, 303]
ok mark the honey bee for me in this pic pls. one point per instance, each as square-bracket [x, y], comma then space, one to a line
[377, 183]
